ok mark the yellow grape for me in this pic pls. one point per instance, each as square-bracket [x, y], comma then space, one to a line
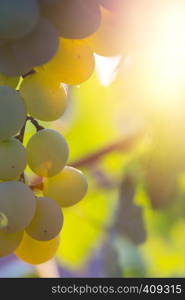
[74, 62]
[47, 152]
[107, 40]
[36, 252]
[17, 206]
[13, 159]
[67, 188]
[9, 242]
[48, 101]
[47, 221]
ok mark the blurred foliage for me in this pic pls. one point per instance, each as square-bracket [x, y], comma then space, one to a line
[98, 116]
[134, 212]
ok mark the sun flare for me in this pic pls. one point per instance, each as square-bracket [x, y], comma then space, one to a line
[170, 52]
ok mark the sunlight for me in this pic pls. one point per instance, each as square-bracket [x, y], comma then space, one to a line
[162, 66]
[106, 68]
[169, 64]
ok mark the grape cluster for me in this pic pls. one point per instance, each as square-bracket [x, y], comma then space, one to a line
[32, 32]
[57, 38]
[44, 46]
[30, 224]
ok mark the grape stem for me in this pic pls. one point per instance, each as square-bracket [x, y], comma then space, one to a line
[35, 123]
[20, 137]
[29, 73]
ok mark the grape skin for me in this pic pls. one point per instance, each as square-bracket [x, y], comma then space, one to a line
[38, 47]
[73, 64]
[47, 221]
[13, 159]
[47, 152]
[9, 65]
[18, 204]
[113, 5]
[49, 100]
[12, 112]
[67, 188]
[75, 19]
[107, 40]
[36, 252]
[9, 242]
[9, 81]
[17, 18]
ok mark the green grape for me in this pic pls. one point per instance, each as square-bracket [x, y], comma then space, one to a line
[75, 19]
[17, 206]
[48, 1]
[49, 100]
[8, 62]
[38, 47]
[67, 188]
[13, 159]
[36, 252]
[47, 152]
[17, 18]
[9, 242]
[2, 42]
[12, 112]
[9, 81]
[74, 62]
[47, 221]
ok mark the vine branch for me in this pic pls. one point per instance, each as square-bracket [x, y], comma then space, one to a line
[123, 144]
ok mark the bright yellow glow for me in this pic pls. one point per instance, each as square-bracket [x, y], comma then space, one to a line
[169, 53]
[158, 74]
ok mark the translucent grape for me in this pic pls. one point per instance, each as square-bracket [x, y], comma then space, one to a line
[36, 252]
[17, 18]
[67, 188]
[9, 242]
[47, 221]
[49, 100]
[38, 47]
[107, 40]
[75, 19]
[113, 5]
[12, 112]
[17, 204]
[47, 152]
[74, 62]
[12, 159]
[9, 81]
